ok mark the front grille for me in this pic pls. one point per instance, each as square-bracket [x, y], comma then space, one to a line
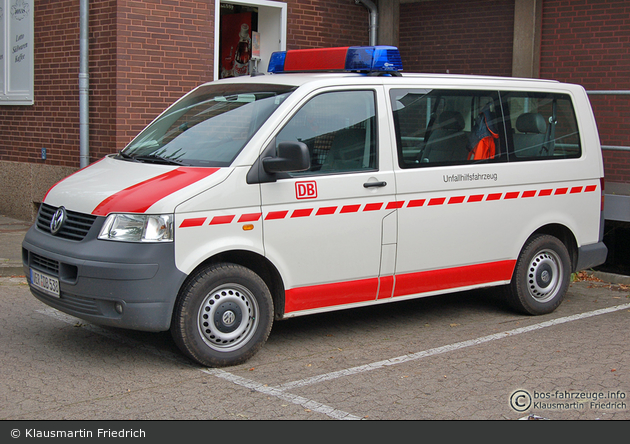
[45, 264]
[75, 227]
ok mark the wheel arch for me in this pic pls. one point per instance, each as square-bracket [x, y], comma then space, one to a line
[564, 235]
[259, 265]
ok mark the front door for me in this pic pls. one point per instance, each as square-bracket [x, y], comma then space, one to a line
[331, 230]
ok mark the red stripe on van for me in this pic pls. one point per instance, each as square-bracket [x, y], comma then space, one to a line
[494, 196]
[590, 188]
[456, 200]
[326, 211]
[250, 217]
[193, 222]
[350, 208]
[140, 197]
[302, 212]
[416, 203]
[395, 205]
[386, 285]
[219, 220]
[575, 190]
[328, 295]
[276, 215]
[364, 290]
[457, 277]
[531, 193]
[373, 207]
[545, 193]
[512, 195]
[561, 191]
[475, 198]
[437, 201]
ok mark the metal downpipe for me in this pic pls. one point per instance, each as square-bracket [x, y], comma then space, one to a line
[84, 86]
[373, 18]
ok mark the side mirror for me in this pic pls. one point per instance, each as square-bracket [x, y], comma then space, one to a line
[292, 157]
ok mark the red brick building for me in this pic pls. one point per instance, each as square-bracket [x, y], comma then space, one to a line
[143, 55]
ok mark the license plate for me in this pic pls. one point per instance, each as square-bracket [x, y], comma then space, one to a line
[45, 283]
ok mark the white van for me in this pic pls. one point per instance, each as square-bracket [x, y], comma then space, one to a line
[260, 198]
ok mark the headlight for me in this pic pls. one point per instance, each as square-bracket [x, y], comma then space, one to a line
[138, 228]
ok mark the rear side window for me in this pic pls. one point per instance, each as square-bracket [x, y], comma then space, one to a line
[541, 126]
[450, 127]
[444, 127]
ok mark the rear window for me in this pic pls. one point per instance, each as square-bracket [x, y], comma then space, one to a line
[542, 126]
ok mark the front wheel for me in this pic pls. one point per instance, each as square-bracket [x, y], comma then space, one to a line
[541, 277]
[223, 315]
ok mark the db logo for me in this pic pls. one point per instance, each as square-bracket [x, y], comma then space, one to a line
[306, 190]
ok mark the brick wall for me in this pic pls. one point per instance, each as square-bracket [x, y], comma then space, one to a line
[52, 122]
[326, 23]
[165, 48]
[143, 56]
[588, 42]
[460, 37]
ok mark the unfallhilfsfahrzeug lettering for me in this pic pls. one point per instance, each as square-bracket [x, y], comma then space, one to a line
[469, 177]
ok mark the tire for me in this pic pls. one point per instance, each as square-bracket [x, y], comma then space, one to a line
[222, 316]
[541, 276]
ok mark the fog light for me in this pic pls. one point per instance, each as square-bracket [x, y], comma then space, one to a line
[118, 306]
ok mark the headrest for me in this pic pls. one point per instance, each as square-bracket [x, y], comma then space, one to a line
[451, 120]
[531, 123]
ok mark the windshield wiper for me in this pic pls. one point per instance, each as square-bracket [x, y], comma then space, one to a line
[156, 158]
[126, 156]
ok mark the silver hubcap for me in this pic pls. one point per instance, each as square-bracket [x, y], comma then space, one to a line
[544, 276]
[228, 317]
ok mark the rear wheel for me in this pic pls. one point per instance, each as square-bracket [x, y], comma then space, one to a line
[541, 277]
[223, 315]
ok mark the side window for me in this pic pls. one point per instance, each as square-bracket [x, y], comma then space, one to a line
[445, 127]
[541, 126]
[339, 129]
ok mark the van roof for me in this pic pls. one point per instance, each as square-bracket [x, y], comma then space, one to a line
[428, 80]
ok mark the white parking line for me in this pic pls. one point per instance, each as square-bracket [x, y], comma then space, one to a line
[281, 390]
[243, 382]
[447, 348]
[279, 393]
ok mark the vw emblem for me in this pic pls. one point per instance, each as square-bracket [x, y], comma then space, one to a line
[229, 317]
[545, 276]
[57, 220]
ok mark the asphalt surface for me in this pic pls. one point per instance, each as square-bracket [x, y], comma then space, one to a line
[12, 233]
[462, 356]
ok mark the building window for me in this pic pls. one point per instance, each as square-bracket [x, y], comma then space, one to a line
[16, 52]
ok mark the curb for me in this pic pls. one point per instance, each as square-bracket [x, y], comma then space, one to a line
[11, 271]
[611, 277]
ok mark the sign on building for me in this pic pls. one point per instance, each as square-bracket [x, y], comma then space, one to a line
[16, 52]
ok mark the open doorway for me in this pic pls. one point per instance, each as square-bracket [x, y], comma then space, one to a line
[246, 33]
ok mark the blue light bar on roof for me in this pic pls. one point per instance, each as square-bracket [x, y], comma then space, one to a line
[367, 59]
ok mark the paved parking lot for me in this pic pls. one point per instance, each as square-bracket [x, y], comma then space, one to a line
[453, 357]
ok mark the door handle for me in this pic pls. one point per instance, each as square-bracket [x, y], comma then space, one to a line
[374, 184]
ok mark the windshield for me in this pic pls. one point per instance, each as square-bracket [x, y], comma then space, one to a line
[208, 127]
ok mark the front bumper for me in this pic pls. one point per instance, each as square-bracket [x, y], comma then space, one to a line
[94, 275]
